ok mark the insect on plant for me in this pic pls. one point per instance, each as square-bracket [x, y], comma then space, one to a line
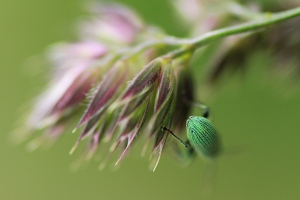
[205, 141]
[202, 136]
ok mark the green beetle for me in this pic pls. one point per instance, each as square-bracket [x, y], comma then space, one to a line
[204, 140]
[202, 136]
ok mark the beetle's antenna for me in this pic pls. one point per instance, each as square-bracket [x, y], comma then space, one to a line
[180, 140]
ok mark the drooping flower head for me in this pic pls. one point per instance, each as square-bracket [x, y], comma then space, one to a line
[128, 93]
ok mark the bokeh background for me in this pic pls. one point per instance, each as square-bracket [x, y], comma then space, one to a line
[257, 111]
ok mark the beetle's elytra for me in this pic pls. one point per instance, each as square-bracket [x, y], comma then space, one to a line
[203, 136]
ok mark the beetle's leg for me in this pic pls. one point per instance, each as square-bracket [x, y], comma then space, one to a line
[182, 154]
[199, 105]
[186, 144]
[206, 111]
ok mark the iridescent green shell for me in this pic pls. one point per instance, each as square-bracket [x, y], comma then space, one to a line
[203, 136]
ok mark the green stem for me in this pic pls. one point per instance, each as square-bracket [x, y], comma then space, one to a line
[194, 43]
[268, 19]
[190, 44]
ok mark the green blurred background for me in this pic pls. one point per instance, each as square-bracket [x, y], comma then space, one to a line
[259, 113]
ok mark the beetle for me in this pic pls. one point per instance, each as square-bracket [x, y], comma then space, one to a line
[204, 140]
[202, 136]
